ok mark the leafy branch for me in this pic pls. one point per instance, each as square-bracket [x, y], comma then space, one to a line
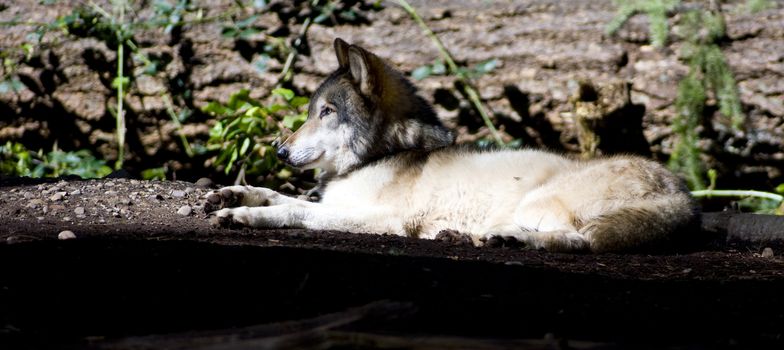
[459, 73]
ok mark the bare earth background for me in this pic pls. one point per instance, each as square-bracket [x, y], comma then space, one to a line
[544, 48]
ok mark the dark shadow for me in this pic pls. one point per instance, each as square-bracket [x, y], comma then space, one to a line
[621, 132]
[533, 129]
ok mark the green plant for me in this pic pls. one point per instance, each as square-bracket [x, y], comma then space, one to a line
[701, 31]
[438, 68]
[459, 72]
[246, 129]
[759, 202]
[17, 160]
[656, 11]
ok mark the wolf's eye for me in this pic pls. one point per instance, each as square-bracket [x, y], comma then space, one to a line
[325, 111]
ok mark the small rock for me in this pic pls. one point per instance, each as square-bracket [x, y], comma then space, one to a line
[79, 211]
[58, 196]
[35, 203]
[28, 195]
[185, 210]
[767, 252]
[178, 194]
[13, 239]
[110, 193]
[135, 182]
[155, 197]
[66, 235]
[67, 218]
[75, 192]
[204, 182]
[189, 190]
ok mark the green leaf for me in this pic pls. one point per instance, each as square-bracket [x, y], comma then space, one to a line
[117, 81]
[215, 108]
[249, 32]
[285, 93]
[276, 108]
[486, 66]
[438, 68]
[154, 173]
[229, 32]
[245, 145]
[232, 159]
[421, 72]
[245, 23]
[293, 122]
[299, 101]
[780, 188]
[239, 98]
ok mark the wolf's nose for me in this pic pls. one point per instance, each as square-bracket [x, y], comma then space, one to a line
[283, 153]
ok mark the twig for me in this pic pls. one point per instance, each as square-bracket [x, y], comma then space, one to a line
[473, 96]
[120, 117]
[737, 193]
[177, 124]
[285, 74]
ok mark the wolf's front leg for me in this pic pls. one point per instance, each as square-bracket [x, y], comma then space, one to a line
[314, 216]
[244, 196]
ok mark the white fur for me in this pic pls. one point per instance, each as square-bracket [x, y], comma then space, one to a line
[532, 196]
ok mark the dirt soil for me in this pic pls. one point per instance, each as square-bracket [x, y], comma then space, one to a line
[146, 270]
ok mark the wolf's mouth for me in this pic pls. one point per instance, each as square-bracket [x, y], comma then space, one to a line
[305, 162]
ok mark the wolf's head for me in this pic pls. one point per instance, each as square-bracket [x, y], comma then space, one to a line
[363, 111]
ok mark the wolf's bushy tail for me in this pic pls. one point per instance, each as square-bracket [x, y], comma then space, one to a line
[648, 224]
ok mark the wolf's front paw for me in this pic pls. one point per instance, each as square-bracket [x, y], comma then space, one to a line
[228, 217]
[226, 197]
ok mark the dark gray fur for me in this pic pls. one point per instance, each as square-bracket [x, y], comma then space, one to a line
[386, 119]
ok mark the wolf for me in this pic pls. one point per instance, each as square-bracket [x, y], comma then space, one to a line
[389, 167]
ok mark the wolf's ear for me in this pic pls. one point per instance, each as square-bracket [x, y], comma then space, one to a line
[341, 51]
[359, 63]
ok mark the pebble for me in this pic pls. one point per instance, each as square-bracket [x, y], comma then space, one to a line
[767, 252]
[178, 194]
[58, 196]
[185, 210]
[204, 182]
[66, 235]
[110, 193]
[155, 197]
[79, 211]
[75, 192]
[27, 195]
[67, 218]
